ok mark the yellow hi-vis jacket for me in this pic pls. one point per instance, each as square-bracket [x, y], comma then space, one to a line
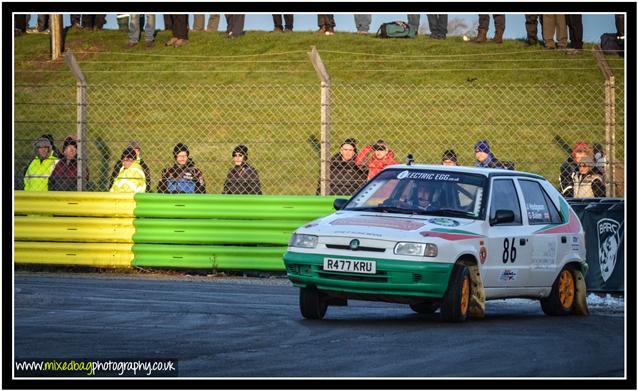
[36, 178]
[130, 180]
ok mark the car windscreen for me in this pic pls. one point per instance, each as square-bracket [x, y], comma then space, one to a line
[426, 192]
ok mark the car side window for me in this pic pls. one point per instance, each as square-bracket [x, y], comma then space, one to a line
[504, 196]
[539, 209]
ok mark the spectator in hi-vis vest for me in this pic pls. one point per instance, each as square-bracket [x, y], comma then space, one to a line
[131, 178]
[36, 178]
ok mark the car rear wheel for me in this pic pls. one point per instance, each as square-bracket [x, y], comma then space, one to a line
[313, 305]
[456, 302]
[561, 300]
[425, 307]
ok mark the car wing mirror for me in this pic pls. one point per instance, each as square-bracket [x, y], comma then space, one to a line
[339, 203]
[502, 216]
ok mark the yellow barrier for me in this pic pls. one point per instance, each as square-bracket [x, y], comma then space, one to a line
[71, 203]
[74, 229]
[112, 255]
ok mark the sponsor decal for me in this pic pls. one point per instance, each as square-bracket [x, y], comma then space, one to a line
[444, 221]
[400, 224]
[575, 243]
[483, 254]
[428, 176]
[403, 174]
[609, 239]
[508, 275]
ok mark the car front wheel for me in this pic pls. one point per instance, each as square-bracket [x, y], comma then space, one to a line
[561, 301]
[313, 305]
[456, 302]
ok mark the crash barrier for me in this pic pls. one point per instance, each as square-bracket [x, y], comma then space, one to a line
[603, 221]
[224, 232]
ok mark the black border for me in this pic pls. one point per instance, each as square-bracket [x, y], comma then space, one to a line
[323, 383]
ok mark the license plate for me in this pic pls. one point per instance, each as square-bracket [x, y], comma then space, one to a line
[349, 265]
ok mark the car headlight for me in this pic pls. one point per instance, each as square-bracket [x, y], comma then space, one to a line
[416, 249]
[303, 240]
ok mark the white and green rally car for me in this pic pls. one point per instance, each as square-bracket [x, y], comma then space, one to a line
[443, 237]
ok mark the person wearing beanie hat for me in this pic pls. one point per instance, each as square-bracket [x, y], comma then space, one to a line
[587, 182]
[54, 150]
[36, 176]
[484, 156]
[346, 177]
[242, 178]
[449, 158]
[182, 177]
[377, 161]
[130, 178]
[65, 173]
[135, 146]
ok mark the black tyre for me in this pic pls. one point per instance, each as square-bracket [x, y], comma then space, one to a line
[562, 299]
[456, 302]
[313, 305]
[425, 307]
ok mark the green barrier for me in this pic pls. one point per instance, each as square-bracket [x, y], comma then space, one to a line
[213, 231]
[72, 203]
[73, 229]
[209, 257]
[215, 206]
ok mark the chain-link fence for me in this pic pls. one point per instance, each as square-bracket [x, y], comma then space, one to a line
[531, 125]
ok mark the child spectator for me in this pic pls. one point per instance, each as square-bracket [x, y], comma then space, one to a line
[580, 150]
[130, 178]
[36, 177]
[381, 158]
[65, 174]
[242, 178]
[587, 183]
[183, 176]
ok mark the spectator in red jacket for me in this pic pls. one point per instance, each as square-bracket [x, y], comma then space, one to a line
[378, 160]
[65, 173]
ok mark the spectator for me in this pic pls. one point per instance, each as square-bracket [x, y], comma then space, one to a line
[235, 25]
[619, 20]
[484, 156]
[183, 176]
[135, 145]
[381, 157]
[362, 22]
[179, 23]
[574, 24]
[449, 158]
[413, 21]
[242, 178]
[36, 177]
[554, 24]
[75, 22]
[19, 24]
[56, 153]
[65, 174]
[484, 26]
[438, 25]
[134, 31]
[168, 22]
[288, 18]
[198, 22]
[531, 25]
[587, 183]
[130, 178]
[122, 22]
[346, 177]
[42, 26]
[326, 24]
[93, 21]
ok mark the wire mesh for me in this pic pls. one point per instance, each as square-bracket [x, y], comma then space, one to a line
[532, 126]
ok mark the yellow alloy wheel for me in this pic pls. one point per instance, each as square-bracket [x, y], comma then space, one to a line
[465, 295]
[567, 289]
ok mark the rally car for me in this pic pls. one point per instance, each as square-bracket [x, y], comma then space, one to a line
[439, 238]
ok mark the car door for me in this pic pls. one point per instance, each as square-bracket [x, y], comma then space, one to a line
[507, 243]
[546, 245]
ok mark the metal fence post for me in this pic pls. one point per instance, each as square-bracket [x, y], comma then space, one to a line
[325, 119]
[610, 121]
[80, 99]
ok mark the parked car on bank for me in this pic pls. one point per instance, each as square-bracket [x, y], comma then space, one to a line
[413, 234]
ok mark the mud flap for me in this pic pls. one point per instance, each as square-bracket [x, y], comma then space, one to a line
[580, 307]
[477, 300]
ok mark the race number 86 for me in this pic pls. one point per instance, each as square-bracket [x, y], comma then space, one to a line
[509, 254]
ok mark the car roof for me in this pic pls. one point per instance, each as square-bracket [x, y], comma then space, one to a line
[488, 172]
